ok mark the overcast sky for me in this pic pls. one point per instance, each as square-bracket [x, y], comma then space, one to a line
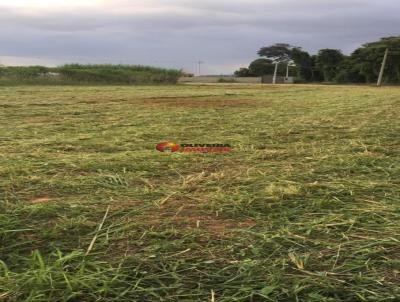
[225, 34]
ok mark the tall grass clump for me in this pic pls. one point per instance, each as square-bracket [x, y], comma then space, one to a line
[89, 74]
[12, 75]
[118, 74]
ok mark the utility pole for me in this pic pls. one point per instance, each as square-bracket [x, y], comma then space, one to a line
[275, 73]
[200, 62]
[380, 79]
[287, 70]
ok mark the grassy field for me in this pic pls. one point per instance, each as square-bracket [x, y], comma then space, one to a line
[305, 208]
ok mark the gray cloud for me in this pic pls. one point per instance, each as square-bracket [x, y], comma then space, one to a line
[177, 33]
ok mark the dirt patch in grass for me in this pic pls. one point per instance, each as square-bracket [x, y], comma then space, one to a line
[187, 102]
[36, 120]
[184, 216]
[41, 199]
[190, 216]
[182, 219]
[212, 224]
[194, 102]
[392, 277]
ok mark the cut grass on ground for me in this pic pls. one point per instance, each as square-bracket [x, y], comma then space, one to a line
[306, 207]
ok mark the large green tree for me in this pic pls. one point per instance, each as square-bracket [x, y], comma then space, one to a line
[303, 61]
[289, 54]
[349, 70]
[277, 53]
[365, 63]
[328, 61]
[260, 67]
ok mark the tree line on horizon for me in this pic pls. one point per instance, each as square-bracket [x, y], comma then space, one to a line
[329, 65]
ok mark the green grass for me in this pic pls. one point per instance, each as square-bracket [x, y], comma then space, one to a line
[306, 207]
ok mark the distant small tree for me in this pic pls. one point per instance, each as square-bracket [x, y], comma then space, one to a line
[328, 61]
[187, 74]
[243, 72]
